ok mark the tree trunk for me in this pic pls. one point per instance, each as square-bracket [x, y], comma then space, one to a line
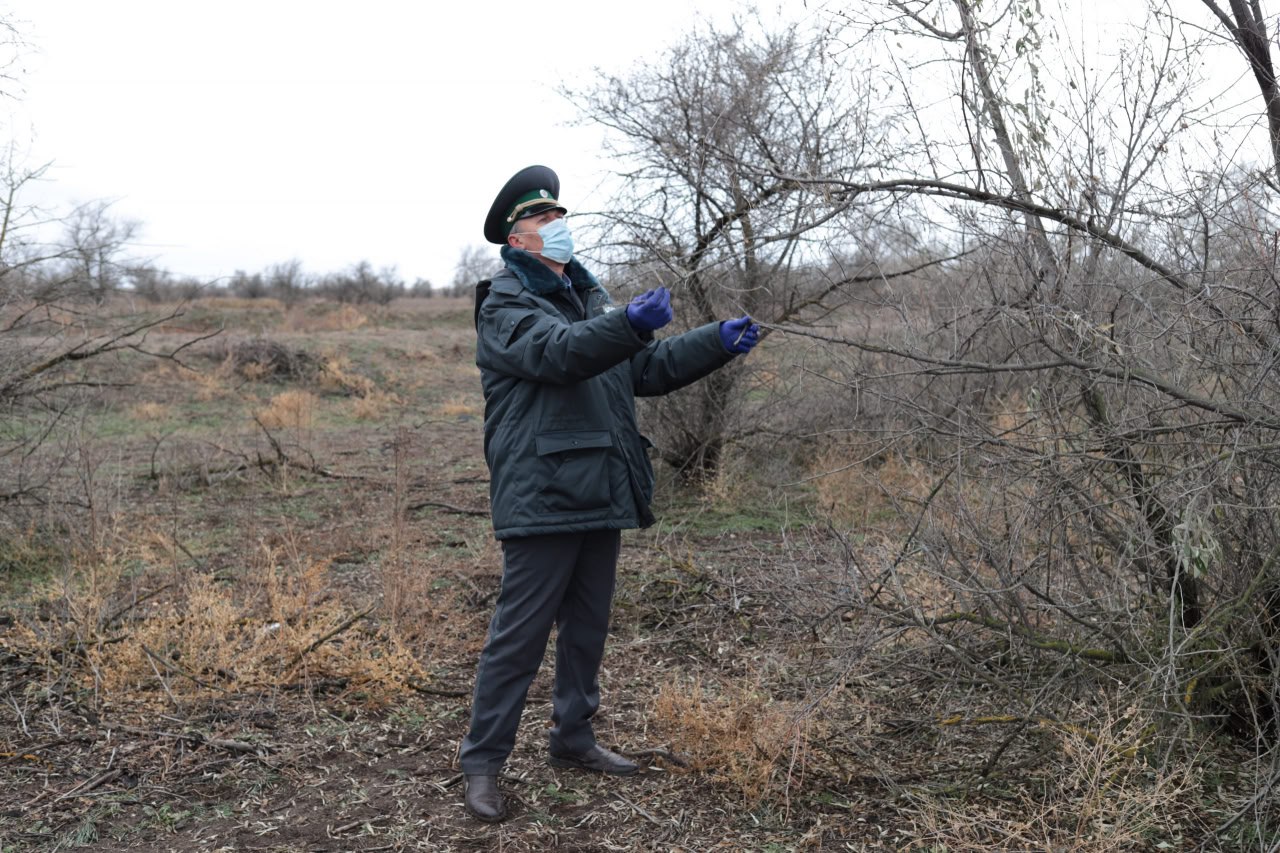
[1248, 30]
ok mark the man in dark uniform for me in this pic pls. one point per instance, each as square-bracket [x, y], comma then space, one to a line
[568, 469]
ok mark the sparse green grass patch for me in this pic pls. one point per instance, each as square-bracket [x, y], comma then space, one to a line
[28, 559]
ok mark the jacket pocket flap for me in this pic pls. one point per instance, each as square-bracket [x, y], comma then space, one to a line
[570, 440]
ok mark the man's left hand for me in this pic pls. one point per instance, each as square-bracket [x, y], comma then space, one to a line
[740, 335]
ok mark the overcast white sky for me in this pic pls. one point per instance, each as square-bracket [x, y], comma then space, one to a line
[245, 133]
[250, 132]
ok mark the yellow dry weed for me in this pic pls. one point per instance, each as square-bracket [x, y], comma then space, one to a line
[740, 736]
[289, 410]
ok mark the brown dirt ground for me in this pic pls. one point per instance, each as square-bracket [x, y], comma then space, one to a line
[320, 760]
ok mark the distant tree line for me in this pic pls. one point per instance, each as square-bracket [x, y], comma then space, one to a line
[359, 284]
[91, 259]
[96, 275]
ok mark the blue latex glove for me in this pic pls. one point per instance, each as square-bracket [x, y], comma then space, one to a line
[650, 310]
[740, 335]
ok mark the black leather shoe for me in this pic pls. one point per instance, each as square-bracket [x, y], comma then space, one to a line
[483, 799]
[596, 758]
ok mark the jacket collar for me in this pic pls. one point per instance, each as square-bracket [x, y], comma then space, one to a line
[539, 278]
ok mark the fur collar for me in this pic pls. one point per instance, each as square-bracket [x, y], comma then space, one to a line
[539, 278]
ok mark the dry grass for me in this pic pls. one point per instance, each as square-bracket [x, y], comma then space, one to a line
[211, 383]
[149, 411]
[740, 737]
[1104, 798]
[339, 377]
[293, 409]
[425, 356]
[458, 405]
[374, 405]
[323, 318]
[266, 305]
[863, 490]
[306, 615]
[208, 638]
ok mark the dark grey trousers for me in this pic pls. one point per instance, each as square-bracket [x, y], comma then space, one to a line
[565, 579]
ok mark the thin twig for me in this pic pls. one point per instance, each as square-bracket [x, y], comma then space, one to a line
[458, 510]
[180, 671]
[433, 691]
[447, 783]
[123, 610]
[329, 636]
[199, 738]
[644, 814]
[152, 660]
[90, 784]
[1253, 801]
[283, 458]
[338, 830]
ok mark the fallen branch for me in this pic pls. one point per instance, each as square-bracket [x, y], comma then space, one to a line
[327, 637]
[665, 755]
[1258, 796]
[347, 827]
[432, 691]
[447, 783]
[1039, 641]
[231, 745]
[177, 670]
[1045, 722]
[200, 739]
[123, 610]
[457, 510]
[283, 458]
[90, 784]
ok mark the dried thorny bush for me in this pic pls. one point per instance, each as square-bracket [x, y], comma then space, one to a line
[262, 359]
[752, 744]
[293, 410]
[338, 377]
[205, 637]
[266, 360]
[1105, 793]
[374, 405]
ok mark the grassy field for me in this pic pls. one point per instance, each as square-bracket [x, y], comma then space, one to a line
[255, 628]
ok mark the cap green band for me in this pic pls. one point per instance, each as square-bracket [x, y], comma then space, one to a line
[528, 200]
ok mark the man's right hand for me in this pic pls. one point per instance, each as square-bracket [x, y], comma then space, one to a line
[650, 310]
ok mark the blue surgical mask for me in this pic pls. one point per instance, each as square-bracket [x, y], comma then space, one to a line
[557, 242]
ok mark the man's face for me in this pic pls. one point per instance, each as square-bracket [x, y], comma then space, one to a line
[524, 234]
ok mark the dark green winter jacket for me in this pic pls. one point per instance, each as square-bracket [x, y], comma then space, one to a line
[561, 371]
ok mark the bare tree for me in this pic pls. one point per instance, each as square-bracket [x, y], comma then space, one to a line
[1091, 389]
[95, 243]
[714, 132]
[248, 285]
[286, 281]
[62, 315]
[1077, 370]
[362, 284]
[475, 264]
[1247, 26]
